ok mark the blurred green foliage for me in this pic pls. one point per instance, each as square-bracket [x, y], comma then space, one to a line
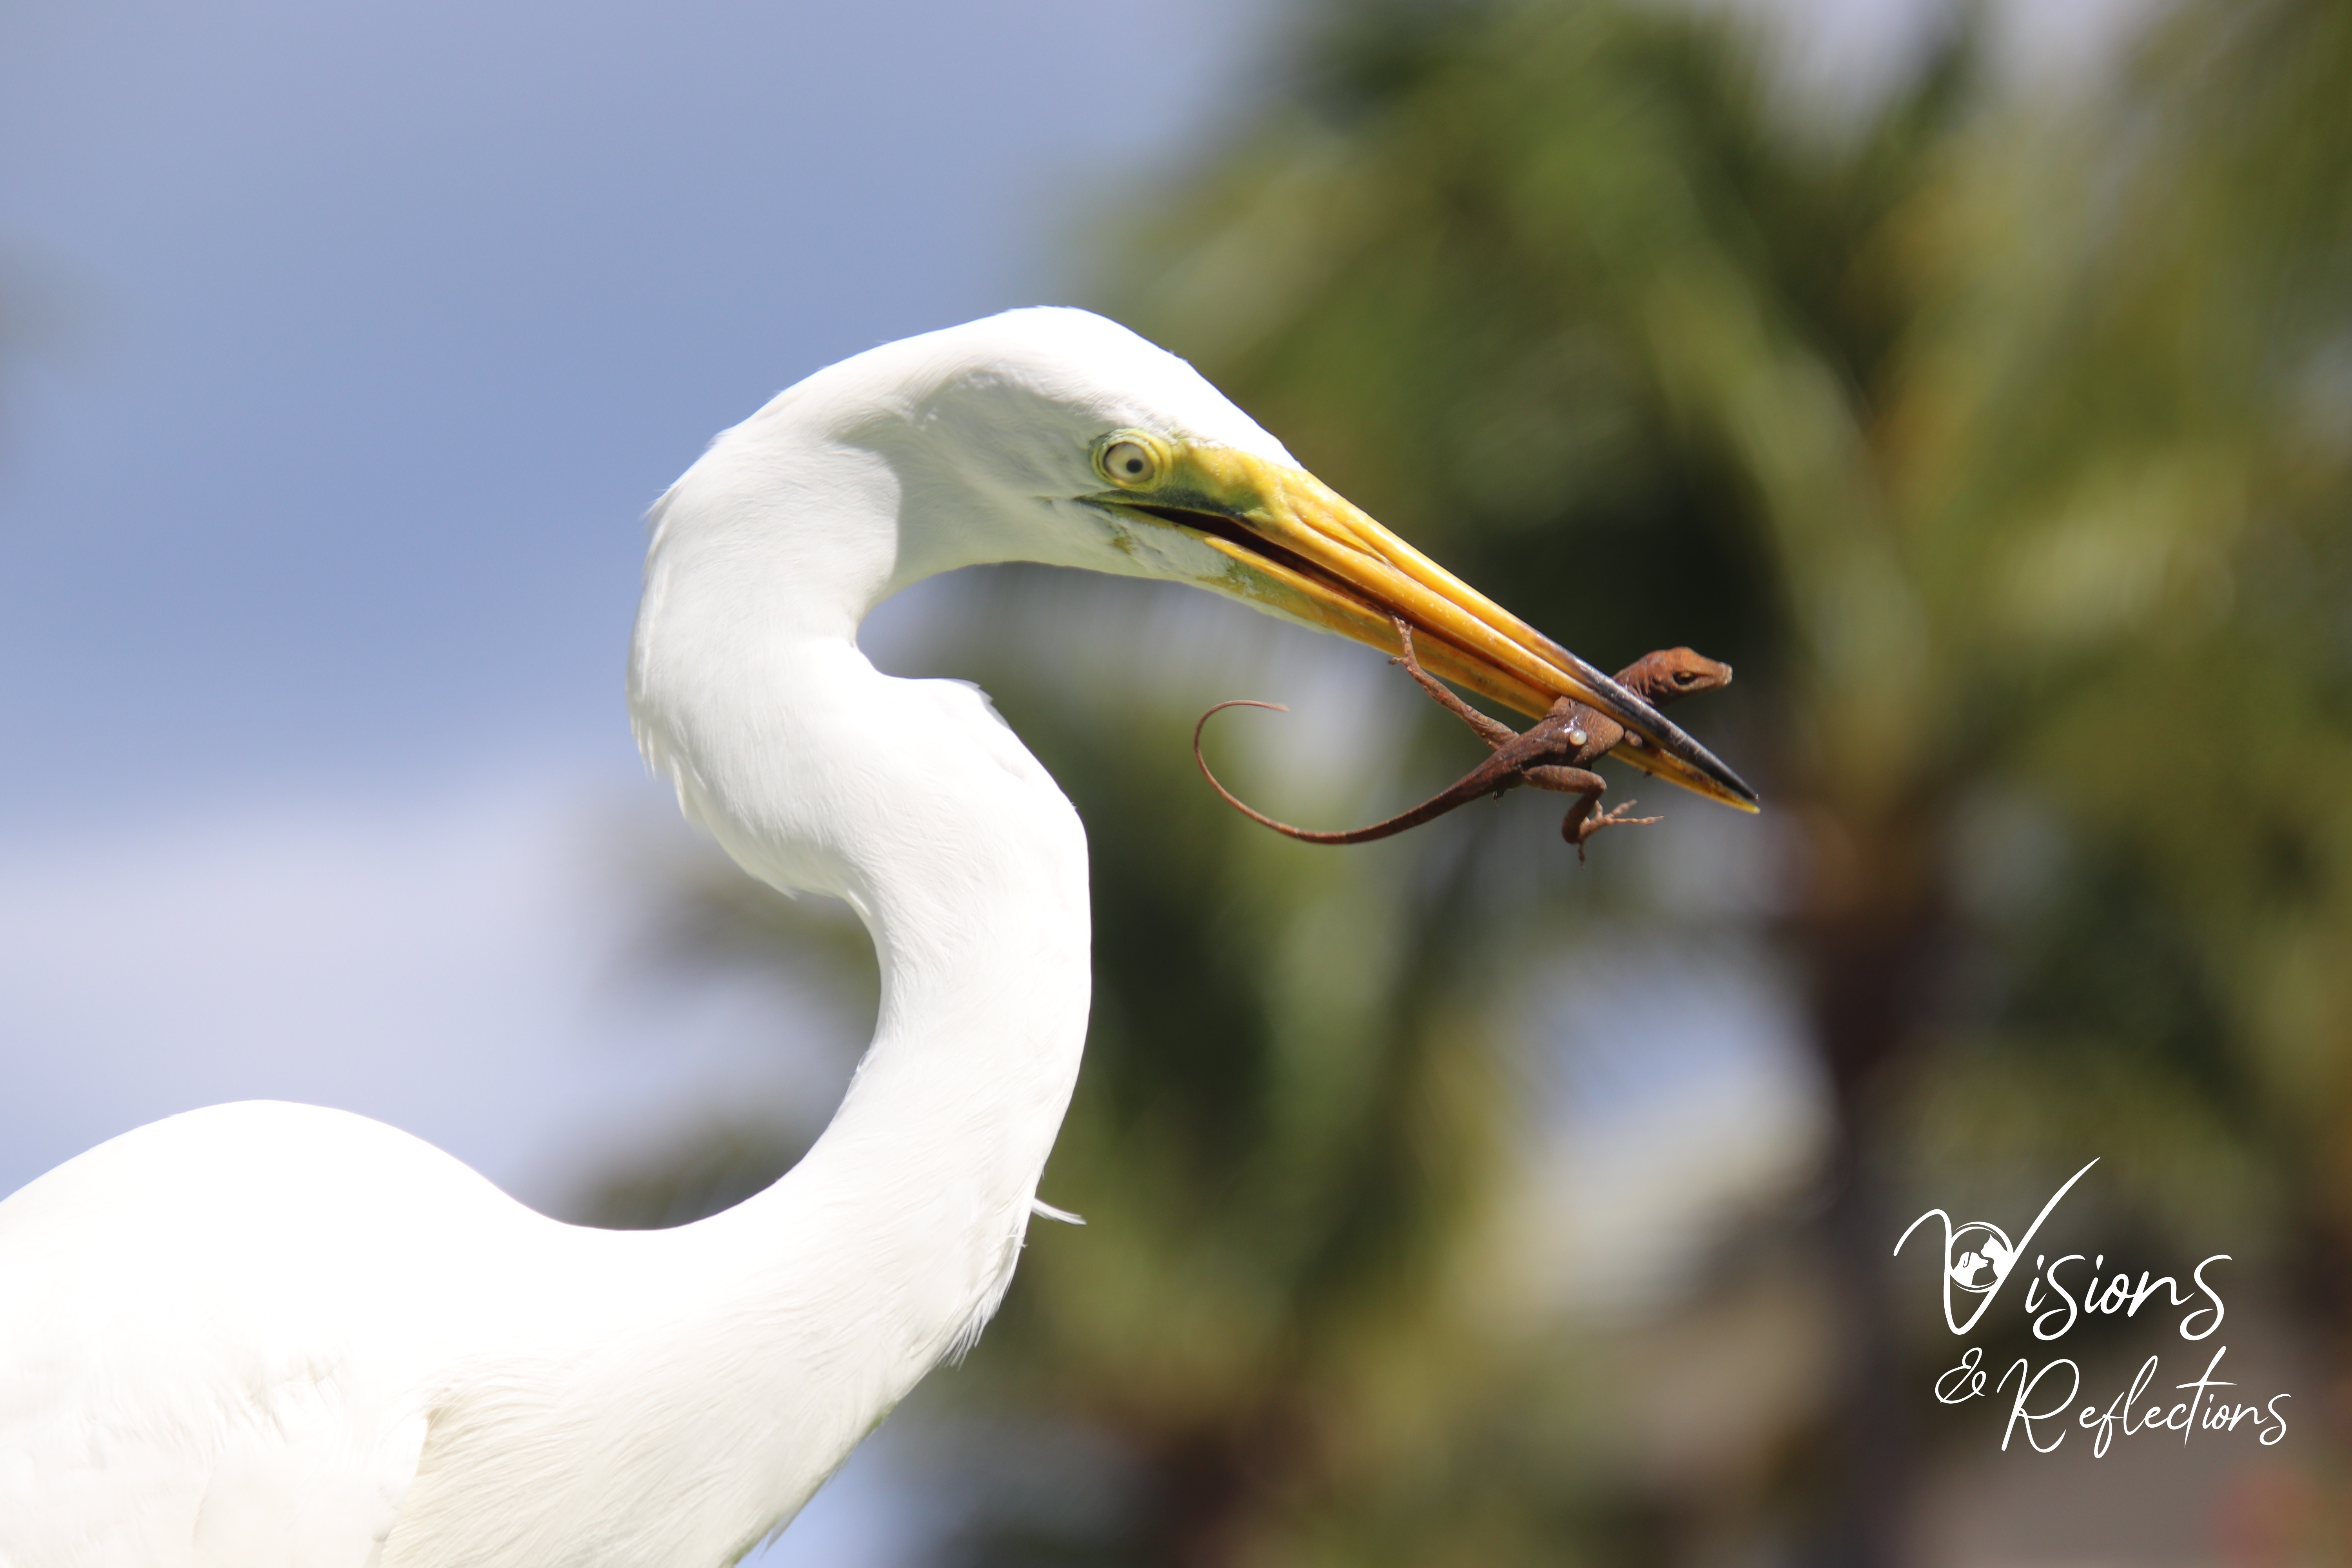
[2003, 441]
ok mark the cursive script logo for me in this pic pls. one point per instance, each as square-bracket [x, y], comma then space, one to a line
[1980, 1268]
[1978, 1259]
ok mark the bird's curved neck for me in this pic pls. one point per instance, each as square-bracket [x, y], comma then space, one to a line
[895, 1237]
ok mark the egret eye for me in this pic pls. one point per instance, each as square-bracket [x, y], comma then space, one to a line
[1129, 462]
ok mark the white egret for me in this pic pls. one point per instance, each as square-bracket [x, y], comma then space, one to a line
[273, 1336]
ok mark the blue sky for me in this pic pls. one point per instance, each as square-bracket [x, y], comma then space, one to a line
[371, 331]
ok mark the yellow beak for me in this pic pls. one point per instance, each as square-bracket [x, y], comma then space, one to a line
[1301, 549]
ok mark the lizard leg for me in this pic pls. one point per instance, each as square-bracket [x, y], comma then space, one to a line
[1584, 818]
[1568, 779]
[1495, 734]
[1588, 787]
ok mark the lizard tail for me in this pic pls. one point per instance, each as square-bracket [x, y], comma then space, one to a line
[1468, 789]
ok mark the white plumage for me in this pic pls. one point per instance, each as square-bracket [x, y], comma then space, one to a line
[272, 1336]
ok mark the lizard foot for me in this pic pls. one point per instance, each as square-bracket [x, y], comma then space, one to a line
[1577, 828]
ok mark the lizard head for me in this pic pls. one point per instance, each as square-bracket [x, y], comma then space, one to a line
[1673, 672]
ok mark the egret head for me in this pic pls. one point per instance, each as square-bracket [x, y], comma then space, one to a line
[1057, 436]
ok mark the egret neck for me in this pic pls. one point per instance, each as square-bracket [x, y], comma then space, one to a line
[890, 1244]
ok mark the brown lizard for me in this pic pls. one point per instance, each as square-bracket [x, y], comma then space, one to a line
[1553, 753]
